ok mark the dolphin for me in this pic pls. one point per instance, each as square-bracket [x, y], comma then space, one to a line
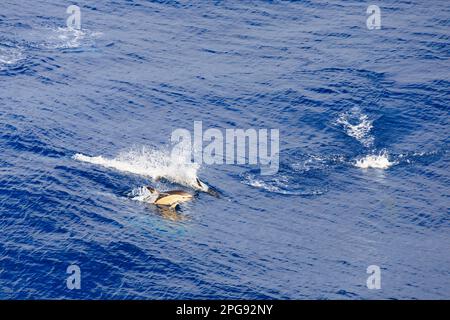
[167, 198]
[199, 186]
[205, 188]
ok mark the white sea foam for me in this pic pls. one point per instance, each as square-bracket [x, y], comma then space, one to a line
[357, 125]
[143, 195]
[66, 38]
[150, 162]
[380, 161]
[10, 56]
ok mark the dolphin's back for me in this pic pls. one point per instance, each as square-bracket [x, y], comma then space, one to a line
[172, 197]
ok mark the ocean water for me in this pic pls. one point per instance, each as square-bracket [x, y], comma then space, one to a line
[86, 118]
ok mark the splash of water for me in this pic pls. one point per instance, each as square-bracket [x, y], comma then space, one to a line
[380, 161]
[358, 125]
[142, 194]
[152, 163]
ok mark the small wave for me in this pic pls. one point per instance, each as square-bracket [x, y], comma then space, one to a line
[380, 161]
[281, 184]
[316, 162]
[259, 183]
[300, 174]
[357, 125]
[152, 163]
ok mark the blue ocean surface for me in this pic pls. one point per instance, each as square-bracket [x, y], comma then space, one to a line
[86, 118]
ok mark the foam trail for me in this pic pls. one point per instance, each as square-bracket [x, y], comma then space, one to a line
[150, 163]
[357, 125]
[380, 161]
[62, 38]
